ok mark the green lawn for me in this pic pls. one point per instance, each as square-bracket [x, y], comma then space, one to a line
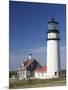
[36, 83]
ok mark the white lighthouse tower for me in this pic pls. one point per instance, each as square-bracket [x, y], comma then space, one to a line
[53, 50]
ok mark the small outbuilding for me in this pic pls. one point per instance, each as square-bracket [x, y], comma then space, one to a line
[41, 73]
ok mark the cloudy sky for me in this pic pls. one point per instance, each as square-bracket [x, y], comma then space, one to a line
[28, 27]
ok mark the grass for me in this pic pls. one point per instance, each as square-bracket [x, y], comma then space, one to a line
[36, 83]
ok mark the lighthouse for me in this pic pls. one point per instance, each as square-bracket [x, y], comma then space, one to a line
[53, 50]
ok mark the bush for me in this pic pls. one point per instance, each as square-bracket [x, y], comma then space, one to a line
[12, 73]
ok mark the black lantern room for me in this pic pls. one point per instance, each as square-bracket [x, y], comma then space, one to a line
[52, 25]
[53, 32]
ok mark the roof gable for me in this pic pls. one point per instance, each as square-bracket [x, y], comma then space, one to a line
[28, 62]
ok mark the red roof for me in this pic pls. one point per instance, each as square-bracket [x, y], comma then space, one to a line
[41, 69]
[27, 62]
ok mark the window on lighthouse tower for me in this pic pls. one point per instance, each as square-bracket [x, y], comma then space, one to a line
[55, 73]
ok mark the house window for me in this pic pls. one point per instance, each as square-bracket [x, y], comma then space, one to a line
[55, 73]
[38, 74]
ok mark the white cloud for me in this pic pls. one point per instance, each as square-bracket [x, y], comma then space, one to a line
[39, 50]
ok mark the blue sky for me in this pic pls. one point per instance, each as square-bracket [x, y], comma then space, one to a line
[28, 27]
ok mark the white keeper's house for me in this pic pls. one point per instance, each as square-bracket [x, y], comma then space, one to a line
[31, 68]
